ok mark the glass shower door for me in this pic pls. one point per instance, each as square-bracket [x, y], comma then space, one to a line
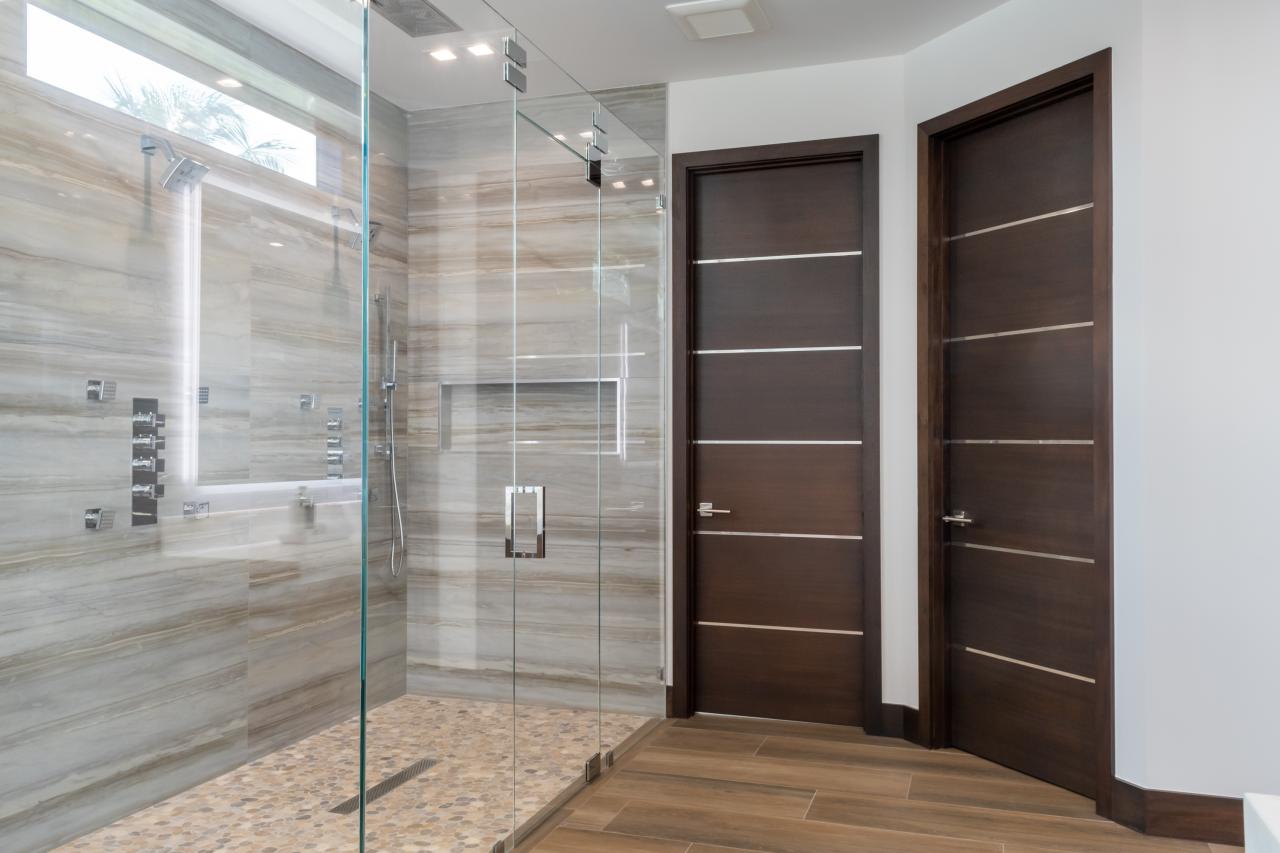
[560, 403]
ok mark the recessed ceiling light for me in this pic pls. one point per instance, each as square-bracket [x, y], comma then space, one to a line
[562, 137]
[443, 55]
[647, 182]
[276, 245]
[619, 185]
[480, 49]
[586, 134]
[230, 83]
[709, 19]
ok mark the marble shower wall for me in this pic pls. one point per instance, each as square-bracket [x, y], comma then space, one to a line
[465, 597]
[137, 662]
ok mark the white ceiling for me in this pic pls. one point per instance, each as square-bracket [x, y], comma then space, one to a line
[602, 43]
[609, 43]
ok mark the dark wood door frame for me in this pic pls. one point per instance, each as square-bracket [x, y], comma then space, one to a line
[684, 168]
[1091, 72]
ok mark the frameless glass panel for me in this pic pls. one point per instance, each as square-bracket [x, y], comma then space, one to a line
[632, 690]
[561, 399]
[439, 731]
[180, 377]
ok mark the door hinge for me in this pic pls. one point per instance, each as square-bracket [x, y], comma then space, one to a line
[517, 59]
[592, 769]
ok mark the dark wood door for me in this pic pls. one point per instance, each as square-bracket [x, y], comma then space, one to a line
[777, 448]
[1019, 480]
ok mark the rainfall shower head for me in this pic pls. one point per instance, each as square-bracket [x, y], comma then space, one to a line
[183, 172]
[418, 18]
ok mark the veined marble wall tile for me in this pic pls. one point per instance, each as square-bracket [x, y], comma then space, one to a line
[138, 662]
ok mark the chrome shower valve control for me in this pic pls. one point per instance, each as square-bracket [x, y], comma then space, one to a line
[145, 463]
[99, 519]
[100, 390]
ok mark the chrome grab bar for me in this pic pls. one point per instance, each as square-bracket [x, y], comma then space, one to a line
[540, 543]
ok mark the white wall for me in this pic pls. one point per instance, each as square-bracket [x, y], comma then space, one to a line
[1211, 576]
[1196, 116]
[820, 102]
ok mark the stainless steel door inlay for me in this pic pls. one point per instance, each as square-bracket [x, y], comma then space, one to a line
[1021, 552]
[780, 628]
[778, 258]
[1001, 227]
[774, 535]
[1030, 665]
[1012, 332]
[775, 349]
[773, 442]
[1070, 441]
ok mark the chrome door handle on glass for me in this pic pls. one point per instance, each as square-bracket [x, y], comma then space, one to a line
[960, 518]
[540, 543]
[706, 509]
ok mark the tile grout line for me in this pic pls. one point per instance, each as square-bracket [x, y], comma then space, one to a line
[809, 808]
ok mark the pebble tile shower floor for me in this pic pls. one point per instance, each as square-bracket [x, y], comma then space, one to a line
[281, 802]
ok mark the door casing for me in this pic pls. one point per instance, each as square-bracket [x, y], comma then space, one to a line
[1093, 72]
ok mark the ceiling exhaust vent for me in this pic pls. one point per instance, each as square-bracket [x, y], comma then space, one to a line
[418, 18]
[709, 19]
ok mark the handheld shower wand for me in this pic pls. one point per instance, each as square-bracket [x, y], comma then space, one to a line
[390, 382]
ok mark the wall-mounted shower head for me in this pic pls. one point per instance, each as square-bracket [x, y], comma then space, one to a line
[183, 172]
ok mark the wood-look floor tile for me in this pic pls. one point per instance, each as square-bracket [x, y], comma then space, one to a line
[777, 835]
[570, 840]
[729, 743]
[1050, 832]
[1024, 795]
[722, 795]
[596, 812]
[789, 728]
[881, 783]
[942, 762]
[1179, 847]
[1225, 848]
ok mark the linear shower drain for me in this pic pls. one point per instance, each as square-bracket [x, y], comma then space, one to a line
[386, 786]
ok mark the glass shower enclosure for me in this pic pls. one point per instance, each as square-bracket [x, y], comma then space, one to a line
[331, 423]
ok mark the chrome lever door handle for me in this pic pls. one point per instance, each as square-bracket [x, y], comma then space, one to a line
[960, 518]
[706, 509]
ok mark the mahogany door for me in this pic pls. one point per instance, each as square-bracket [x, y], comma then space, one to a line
[778, 409]
[1019, 531]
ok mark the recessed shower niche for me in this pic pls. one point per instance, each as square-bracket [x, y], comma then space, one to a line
[553, 415]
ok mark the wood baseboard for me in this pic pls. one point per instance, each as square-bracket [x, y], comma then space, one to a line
[1198, 817]
[896, 721]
